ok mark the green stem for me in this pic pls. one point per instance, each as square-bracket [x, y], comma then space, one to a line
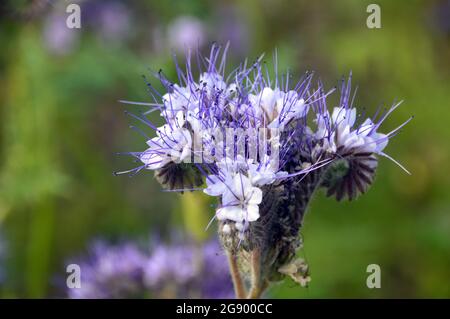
[39, 249]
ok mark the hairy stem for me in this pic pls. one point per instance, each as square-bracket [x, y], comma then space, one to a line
[258, 285]
[239, 288]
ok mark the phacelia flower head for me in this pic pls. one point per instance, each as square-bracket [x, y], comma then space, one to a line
[175, 270]
[111, 272]
[185, 270]
[263, 145]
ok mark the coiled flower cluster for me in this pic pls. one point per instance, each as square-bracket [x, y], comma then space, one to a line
[175, 270]
[263, 144]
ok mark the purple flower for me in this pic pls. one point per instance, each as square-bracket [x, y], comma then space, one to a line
[111, 272]
[180, 270]
[246, 132]
[111, 19]
[216, 281]
[169, 263]
[230, 25]
[58, 38]
[166, 271]
[264, 145]
[186, 32]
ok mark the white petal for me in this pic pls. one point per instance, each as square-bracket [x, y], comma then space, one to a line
[229, 197]
[252, 213]
[240, 185]
[268, 100]
[186, 153]
[338, 115]
[343, 116]
[154, 142]
[215, 187]
[365, 128]
[351, 116]
[153, 160]
[180, 119]
[382, 141]
[255, 196]
[233, 213]
[344, 135]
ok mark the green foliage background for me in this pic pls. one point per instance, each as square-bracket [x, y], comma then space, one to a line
[61, 125]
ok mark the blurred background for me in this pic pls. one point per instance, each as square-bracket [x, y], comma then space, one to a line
[61, 126]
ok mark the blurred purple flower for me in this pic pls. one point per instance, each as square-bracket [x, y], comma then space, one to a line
[233, 28]
[168, 271]
[111, 272]
[184, 266]
[58, 38]
[164, 266]
[440, 16]
[109, 19]
[186, 32]
[216, 281]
